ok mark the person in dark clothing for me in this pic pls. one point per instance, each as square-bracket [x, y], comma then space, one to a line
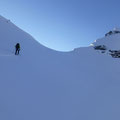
[17, 47]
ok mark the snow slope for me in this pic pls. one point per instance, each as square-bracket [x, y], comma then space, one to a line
[43, 84]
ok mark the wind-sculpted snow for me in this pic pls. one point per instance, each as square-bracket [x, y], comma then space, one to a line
[43, 84]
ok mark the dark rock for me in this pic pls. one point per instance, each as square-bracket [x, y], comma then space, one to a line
[115, 53]
[100, 47]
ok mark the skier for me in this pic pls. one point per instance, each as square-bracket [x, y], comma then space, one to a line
[17, 47]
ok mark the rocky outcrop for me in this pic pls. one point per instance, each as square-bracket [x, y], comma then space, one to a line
[100, 47]
[115, 53]
[112, 32]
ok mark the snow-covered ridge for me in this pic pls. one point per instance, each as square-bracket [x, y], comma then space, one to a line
[10, 34]
[43, 84]
[110, 44]
[111, 41]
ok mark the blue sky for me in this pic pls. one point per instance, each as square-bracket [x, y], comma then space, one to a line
[63, 24]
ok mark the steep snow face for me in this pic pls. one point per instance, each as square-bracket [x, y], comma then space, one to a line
[43, 84]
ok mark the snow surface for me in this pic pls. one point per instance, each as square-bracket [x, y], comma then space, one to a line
[43, 84]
